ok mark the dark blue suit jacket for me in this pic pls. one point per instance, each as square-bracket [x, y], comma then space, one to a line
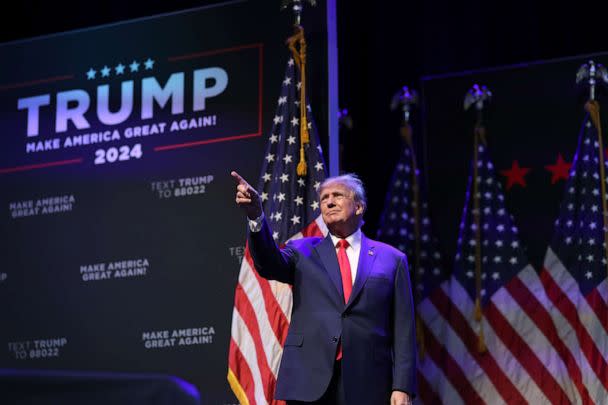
[376, 326]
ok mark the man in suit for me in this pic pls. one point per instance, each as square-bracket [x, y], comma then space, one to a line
[351, 338]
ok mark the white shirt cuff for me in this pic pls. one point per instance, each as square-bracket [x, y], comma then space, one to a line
[255, 225]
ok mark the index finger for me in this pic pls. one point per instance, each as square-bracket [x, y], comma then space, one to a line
[238, 178]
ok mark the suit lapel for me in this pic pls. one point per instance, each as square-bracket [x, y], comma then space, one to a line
[367, 255]
[327, 253]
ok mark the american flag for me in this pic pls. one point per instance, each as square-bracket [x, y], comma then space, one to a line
[262, 308]
[575, 269]
[489, 338]
[406, 225]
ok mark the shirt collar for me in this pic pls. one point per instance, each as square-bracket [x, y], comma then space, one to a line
[354, 239]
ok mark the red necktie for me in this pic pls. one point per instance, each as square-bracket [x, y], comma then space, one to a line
[347, 278]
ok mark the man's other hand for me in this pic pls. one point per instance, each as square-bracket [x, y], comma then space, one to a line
[400, 398]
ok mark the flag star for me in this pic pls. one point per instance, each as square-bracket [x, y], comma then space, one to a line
[594, 208]
[471, 258]
[500, 228]
[105, 71]
[589, 275]
[296, 103]
[287, 159]
[277, 119]
[299, 85]
[472, 242]
[591, 242]
[287, 81]
[301, 182]
[294, 121]
[278, 216]
[513, 260]
[272, 216]
[568, 240]
[270, 157]
[264, 196]
[469, 274]
[482, 292]
[273, 138]
[275, 235]
[569, 223]
[317, 185]
[498, 243]
[291, 140]
[501, 212]
[570, 206]
[267, 177]
[592, 225]
[495, 276]
[596, 191]
[314, 205]
[604, 261]
[134, 66]
[119, 69]
[295, 219]
[290, 62]
[319, 166]
[298, 200]
[281, 197]
[497, 259]
[590, 258]
[91, 74]
[284, 177]
[282, 100]
[436, 271]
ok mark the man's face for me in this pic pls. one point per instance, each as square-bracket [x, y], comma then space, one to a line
[339, 210]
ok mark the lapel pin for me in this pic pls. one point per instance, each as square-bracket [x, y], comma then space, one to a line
[370, 252]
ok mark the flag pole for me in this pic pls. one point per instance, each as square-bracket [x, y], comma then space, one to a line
[406, 99]
[478, 96]
[299, 55]
[590, 74]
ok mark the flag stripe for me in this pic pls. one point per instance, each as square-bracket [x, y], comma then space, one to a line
[451, 368]
[602, 290]
[242, 386]
[438, 381]
[274, 312]
[562, 301]
[526, 358]
[249, 316]
[512, 367]
[246, 347]
[535, 308]
[460, 325]
[599, 307]
[427, 395]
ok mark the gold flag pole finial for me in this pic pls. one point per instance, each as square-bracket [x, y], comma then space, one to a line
[478, 96]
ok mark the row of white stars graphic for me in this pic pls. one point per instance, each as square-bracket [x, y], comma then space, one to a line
[119, 69]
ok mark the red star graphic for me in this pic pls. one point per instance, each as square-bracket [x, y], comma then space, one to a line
[515, 175]
[560, 170]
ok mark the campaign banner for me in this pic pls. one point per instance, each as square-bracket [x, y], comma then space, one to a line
[120, 242]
